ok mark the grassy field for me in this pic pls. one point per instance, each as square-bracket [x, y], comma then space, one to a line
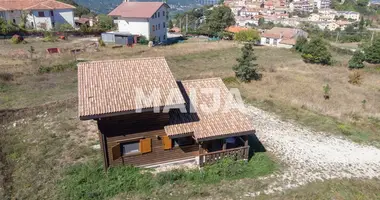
[44, 139]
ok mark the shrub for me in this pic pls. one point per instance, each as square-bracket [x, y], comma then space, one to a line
[230, 80]
[57, 68]
[316, 51]
[142, 40]
[355, 78]
[50, 37]
[326, 91]
[6, 76]
[249, 35]
[300, 43]
[356, 60]
[101, 42]
[17, 39]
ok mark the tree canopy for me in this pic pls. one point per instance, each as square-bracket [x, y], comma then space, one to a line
[218, 19]
[316, 51]
[372, 53]
[249, 35]
[356, 60]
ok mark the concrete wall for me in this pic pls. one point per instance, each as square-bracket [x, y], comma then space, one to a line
[160, 33]
[41, 23]
[272, 41]
[135, 26]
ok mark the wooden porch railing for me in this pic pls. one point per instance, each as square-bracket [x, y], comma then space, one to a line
[236, 153]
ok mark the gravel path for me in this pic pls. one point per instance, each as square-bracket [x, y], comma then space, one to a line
[311, 155]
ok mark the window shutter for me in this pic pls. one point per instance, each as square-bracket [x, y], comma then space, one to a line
[167, 142]
[116, 152]
[146, 145]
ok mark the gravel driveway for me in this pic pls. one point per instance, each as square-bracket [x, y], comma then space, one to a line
[311, 155]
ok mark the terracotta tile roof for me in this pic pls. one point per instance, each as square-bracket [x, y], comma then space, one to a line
[288, 41]
[208, 125]
[137, 9]
[235, 29]
[276, 32]
[33, 5]
[108, 88]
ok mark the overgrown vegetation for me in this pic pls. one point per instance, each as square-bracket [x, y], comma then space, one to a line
[246, 69]
[355, 77]
[357, 60]
[372, 53]
[89, 181]
[57, 68]
[249, 35]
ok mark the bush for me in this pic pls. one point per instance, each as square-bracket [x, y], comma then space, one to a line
[57, 68]
[101, 42]
[356, 60]
[50, 37]
[6, 76]
[142, 40]
[355, 78]
[316, 52]
[17, 39]
[300, 43]
[249, 35]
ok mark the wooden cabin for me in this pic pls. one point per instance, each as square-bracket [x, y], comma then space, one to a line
[180, 122]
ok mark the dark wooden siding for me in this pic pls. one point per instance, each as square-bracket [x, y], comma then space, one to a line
[146, 125]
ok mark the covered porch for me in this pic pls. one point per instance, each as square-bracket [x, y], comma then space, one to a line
[232, 147]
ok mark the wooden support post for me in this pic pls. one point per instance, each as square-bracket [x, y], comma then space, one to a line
[246, 140]
[224, 144]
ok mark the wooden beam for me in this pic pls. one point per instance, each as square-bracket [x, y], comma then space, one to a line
[224, 144]
[246, 140]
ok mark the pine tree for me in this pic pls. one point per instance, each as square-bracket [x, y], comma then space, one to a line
[300, 43]
[372, 53]
[316, 51]
[356, 60]
[246, 69]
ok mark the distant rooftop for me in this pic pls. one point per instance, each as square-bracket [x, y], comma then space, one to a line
[33, 5]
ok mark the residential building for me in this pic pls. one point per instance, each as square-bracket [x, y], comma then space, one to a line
[349, 15]
[303, 6]
[313, 17]
[148, 19]
[147, 118]
[322, 4]
[281, 37]
[331, 26]
[39, 14]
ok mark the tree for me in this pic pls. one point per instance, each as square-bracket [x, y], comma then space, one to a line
[356, 60]
[249, 35]
[64, 27]
[300, 43]
[261, 21]
[246, 69]
[170, 24]
[218, 19]
[105, 22]
[361, 24]
[316, 51]
[372, 53]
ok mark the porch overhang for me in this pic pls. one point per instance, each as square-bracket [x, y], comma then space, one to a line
[222, 136]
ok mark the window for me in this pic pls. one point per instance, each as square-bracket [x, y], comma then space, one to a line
[159, 39]
[159, 25]
[153, 28]
[158, 14]
[155, 15]
[14, 21]
[183, 141]
[163, 13]
[267, 40]
[51, 13]
[130, 147]
[164, 37]
[32, 24]
[41, 14]
[275, 41]
[156, 27]
[163, 24]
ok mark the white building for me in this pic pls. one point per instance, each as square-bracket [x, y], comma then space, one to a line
[147, 19]
[322, 4]
[349, 15]
[281, 37]
[39, 14]
[303, 6]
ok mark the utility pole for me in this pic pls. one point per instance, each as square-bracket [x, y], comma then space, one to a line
[373, 33]
[187, 18]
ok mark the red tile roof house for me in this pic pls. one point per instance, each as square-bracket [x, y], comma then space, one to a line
[41, 14]
[147, 19]
[281, 37]
[178, 121]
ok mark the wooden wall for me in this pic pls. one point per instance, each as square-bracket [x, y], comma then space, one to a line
[142, 125]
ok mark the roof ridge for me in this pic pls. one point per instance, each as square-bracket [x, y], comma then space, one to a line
[113, 60]
[203, 79]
